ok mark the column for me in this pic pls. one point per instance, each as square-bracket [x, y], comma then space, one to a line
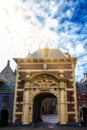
[62, 105]
[26, 107]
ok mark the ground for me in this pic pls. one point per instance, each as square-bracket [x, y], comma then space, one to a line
[44, 128]
[49, 122]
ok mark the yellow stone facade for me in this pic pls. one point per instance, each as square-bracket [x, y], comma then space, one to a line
[42, 77]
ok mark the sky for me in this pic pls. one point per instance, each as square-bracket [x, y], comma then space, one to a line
[26, 25]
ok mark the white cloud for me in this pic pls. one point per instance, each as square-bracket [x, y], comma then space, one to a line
[79, 48]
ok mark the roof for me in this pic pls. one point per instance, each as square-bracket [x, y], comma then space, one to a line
[2, 78]
[84, 80]
[81, 87]
[8, 72]
[53, 53]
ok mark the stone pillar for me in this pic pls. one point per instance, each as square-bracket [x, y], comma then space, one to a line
[30, 107]
[62, 104]
[26, 107]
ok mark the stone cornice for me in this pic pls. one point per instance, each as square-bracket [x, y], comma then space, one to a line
[45, 60]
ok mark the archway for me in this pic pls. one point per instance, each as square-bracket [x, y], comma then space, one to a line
[83, 115]
[4, 117]
[44, 104]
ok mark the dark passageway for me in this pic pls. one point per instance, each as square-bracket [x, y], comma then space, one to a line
[37, 109]
[4, 117]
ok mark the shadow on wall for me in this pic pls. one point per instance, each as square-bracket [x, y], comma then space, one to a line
[4, 117]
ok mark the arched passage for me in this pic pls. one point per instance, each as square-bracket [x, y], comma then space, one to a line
[83, 115]
[4, 117]
[38, 109]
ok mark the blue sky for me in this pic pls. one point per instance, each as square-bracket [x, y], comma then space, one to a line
[27, 24]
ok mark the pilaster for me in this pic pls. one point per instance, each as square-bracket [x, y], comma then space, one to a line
[26, 107]
[62, 104]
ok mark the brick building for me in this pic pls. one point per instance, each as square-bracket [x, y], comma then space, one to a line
[82, 99]
[45, 80]
[46, 73]
[7, 85]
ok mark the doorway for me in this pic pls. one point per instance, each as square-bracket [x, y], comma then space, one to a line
[83, 116]
[45, 108]
[4, 117]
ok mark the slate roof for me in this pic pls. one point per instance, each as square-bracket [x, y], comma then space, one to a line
[7, 79]
[81, 87]
[84, 80]
[2, 78]
[53, 53]
[6, 88]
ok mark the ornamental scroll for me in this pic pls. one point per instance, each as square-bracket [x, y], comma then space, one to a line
[44, 82]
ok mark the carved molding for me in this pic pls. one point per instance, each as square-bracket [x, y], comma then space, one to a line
[61, 74]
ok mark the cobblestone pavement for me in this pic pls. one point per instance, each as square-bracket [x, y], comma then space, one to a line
[44, 128]
[49, 123]
[50, 118]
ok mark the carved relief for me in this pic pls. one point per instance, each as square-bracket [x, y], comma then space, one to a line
[61, 74]
[44, 82]
[44, 66]
[28, 75]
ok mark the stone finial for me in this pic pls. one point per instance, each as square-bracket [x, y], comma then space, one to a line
[8, 63]
[29, 52]
[46, 50]
[46, 45]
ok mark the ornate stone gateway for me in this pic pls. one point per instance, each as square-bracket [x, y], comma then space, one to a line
[45, 73]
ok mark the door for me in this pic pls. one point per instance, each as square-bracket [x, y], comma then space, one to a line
[4, 117]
